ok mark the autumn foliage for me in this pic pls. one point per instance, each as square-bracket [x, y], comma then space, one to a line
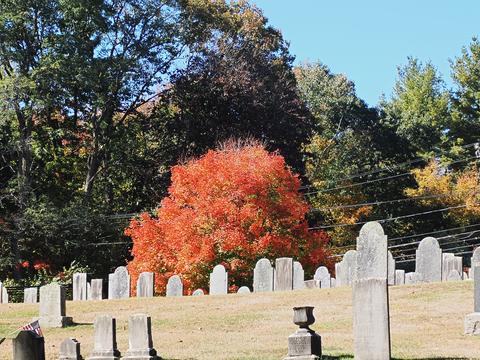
[232, 206]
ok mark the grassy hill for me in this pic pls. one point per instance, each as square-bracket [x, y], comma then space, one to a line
[426, 323]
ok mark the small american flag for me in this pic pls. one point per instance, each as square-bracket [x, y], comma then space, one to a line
[34, 327]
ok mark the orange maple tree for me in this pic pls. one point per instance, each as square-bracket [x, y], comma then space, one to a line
[231, 206]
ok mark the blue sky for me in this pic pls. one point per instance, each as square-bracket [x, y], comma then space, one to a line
[367, 39]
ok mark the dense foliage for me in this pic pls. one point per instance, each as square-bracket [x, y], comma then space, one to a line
[231, 206]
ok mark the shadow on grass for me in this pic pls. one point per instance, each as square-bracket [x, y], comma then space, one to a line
[347, 356]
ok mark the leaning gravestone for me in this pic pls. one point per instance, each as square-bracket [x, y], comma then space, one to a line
[198, 292]
[448, 260]
[145, 284]
[391, 269]
[263, 276]
[243, 290]
[79, 284]
[121, 283]
[454, 275]
[96, 289]
[283, 274]
[70, 350]
[52, 307]
[428, 260]
[472, 321]
[219, 281]
[105, 339]
[140, 343]
[371, 321]
[298, 276]
[345, 269]
[322, 275]
[28, 346]
[399, 277]
[174, 286]
[30, 295]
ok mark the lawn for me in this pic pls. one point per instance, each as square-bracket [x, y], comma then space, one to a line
[426, 323]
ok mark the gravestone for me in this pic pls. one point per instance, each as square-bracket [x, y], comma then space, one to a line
[371, 321]
[96, 289]
[333, 282]
[140, 343]
[79, 284]
[399, 277]
[30, 295]
[218, 281]
[428, 260]
[312, 284]
[28, 346]
[145, 284]
[111, 286]
[448, 260]
[89, 291]
[52, 307]
[263, 276]
[345, 269]
[298, 276]
[472, 321]
[322, 275]
[243, 290]
[198, 292]
[105, 339]
[465, 276]
[304, 343]
[70, 350]
[121, 283]
[4, 295]
[283, 274]
[458, 265]
[475, 261]
[454, 275]
[413, 278]
[174, 286]
[391, 269]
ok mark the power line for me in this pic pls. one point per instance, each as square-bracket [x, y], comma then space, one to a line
[433, 232]
[389, 219]
[410, 260]
[379, 169]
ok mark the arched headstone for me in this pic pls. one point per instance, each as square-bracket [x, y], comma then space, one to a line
[218, 281]
[263, 276]
[298, 276]
[428, 260]
[323, 275]
[174, 286]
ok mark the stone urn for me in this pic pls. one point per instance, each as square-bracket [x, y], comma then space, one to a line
[303, 316]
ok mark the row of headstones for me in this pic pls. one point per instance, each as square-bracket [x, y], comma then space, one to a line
[27, 346]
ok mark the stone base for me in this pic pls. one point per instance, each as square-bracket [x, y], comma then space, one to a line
[149, 354]
[304, 344]
[472, 324]
[55, 322]
[104, 355]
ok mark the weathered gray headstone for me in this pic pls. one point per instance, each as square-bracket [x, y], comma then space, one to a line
[399, 277]
[121, 284]
[304, 344]
[312, 284]
[174, 286]
[413, 278]
[475, 261]
[428, 260]
[283, 274]
[345, 269]
[140, 343]
[4, 295]
[218, 281]
[323, 275]
[298, 276]
[472, 321]
[391, 269]
[145, 284]
[96, 289]
[70, 350]
[105, 339]
[243, 290]
[30, 295]
[111, 286]
[52, 307]
[371, 320]
[465, 276]
[333, 282]
[448, 260]
[454, 275]
[28, 346]
[198, 292]
[79, 283]
[89, 291]
[263, 276]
